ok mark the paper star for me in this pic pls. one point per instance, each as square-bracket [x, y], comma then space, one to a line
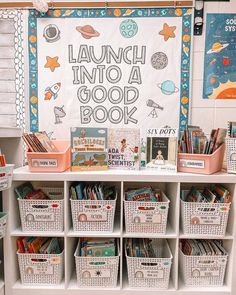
[52, 63]
[167, 32]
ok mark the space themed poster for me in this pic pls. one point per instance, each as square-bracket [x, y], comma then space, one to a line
[113, 68]
[220, 57]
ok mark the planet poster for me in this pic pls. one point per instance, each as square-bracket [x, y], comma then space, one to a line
[220, 57]
[121, 68]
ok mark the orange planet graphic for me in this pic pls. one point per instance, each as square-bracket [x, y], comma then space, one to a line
[186, 38]
[178, 11]
[217, 47]
[184, 100]
[224, 91]
[33, 39]
[87, 31]
[117, 12]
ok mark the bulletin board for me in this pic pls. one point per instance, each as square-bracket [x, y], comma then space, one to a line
[109, 68]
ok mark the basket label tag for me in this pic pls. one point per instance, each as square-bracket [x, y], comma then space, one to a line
[96, 273]
[214, 220]
[3, 184]
[199, 164]
[39, 270]
[44, 162]
[205, 272]
[150, 274]
[41, 216]
[147, 218]
[92, 216]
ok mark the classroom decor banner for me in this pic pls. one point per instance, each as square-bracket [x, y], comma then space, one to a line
[220, 57]
[109, 68]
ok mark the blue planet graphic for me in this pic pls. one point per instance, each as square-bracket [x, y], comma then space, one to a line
[128, 28]
[168, 87]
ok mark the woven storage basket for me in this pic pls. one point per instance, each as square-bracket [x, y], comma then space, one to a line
[6, 179]
[3, 224]
[146, 217]
[43, 215]
[231, 154]
[208, 219]
[151, 272]
[96, 271]
[202, 271]
[93, 215]
[41, 269]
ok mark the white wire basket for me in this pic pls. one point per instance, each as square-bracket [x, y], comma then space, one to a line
[3, 224]
[96, 271]
[43, 215]
[202, 271]
[6, 178]
[93, 215]
[146, 217]
[41, 269]
[151, 272]
[204, 219]
[231, 154]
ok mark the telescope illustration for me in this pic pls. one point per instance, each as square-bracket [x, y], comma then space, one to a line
[155, 106]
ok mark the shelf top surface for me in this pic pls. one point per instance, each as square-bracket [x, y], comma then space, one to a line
[23, 173]
[10, 132]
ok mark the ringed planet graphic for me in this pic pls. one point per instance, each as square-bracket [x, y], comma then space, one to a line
[217, 47]
[87, 31]
[168, 87]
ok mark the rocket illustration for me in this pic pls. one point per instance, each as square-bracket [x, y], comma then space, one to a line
[52, 92]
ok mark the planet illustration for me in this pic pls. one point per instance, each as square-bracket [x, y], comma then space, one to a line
[87, 31]
[168, 87]
[217, 47]
[159, 60]
[128, 28]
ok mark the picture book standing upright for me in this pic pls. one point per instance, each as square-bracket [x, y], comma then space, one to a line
[162, 149]
[88, 149]
[124, 148]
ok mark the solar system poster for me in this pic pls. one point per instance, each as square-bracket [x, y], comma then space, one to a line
[109, 68]
[220, 57]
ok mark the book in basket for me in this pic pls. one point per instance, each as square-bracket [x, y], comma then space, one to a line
[123, 148]
[88, 149]
[162, 149]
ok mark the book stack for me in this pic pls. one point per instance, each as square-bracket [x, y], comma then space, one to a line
[2, 160]
[39, 142]
[145, 194]
[194, 141]
[38, 245]
[218, 194]
[97, 191]
[202, 247]
[98, 247]
[140, 248]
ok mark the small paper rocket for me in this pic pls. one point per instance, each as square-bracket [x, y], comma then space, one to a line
[52, 92]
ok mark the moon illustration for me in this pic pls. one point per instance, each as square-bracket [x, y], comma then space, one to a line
[159, 60]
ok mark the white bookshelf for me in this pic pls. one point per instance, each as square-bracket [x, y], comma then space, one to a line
[171, 184]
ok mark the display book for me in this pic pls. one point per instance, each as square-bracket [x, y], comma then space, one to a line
[38, 245]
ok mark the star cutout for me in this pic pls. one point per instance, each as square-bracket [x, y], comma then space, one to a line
[52, 63]
[167, 32]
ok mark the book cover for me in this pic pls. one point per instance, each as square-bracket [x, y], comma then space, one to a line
[124, 148]
[162, 149]
[88, 149]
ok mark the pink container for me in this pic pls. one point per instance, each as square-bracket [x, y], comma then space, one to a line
[51, 162]
[201, 164]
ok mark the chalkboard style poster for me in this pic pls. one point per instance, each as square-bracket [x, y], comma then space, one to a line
[113, 68]
[220, 61]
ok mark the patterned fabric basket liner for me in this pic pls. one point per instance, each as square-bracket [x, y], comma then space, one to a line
[151, 272]
[6, 173]
[43, 215]
[146, 217]
[204, 218]
[93, 215]
[41, 269]
[97, 271]
[202, 270]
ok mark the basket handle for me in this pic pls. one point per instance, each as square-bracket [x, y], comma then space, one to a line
[39, 260]
[149, 264]
[206, 209]
[206, 262]
[98, 263]
[142, 208]
[40, 206]
[95, 207]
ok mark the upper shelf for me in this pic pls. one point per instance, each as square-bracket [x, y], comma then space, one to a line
[10, 132]
[24, 174]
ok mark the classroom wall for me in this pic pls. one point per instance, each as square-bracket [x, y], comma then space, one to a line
[205, 112]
